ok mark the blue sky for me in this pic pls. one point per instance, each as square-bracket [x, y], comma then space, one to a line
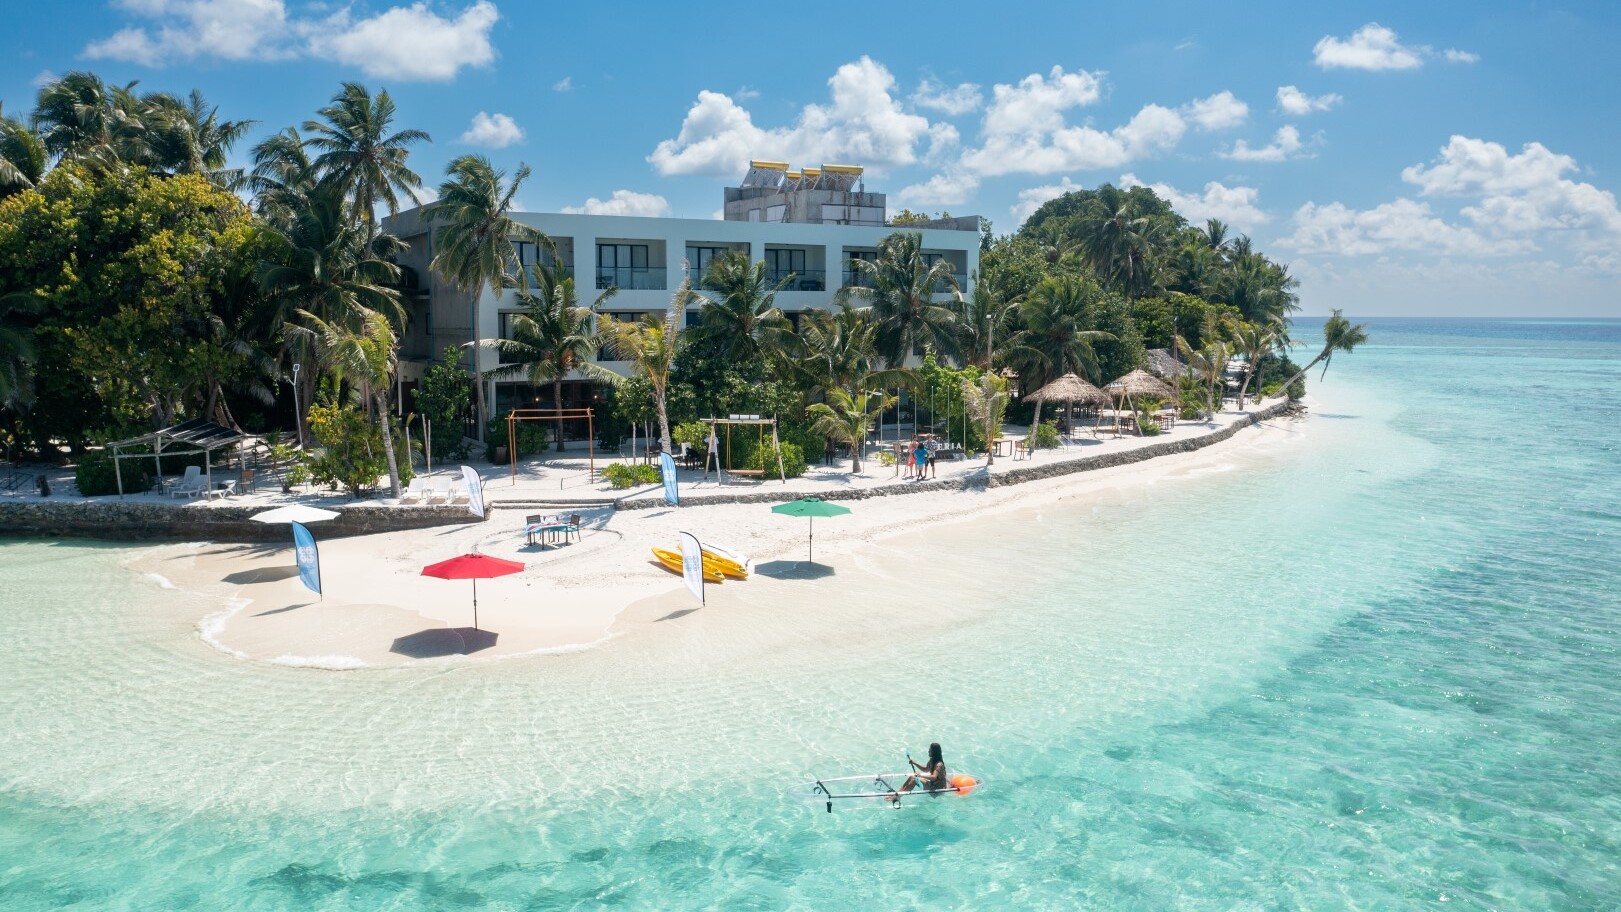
[1423, 159]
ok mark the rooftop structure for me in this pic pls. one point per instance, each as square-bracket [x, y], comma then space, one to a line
[829, 195]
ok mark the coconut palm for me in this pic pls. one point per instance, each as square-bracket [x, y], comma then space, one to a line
[847, 419]
[1208, 364]
[1338, 336]
[551, 338]
[837, 350]
[22, 156]
[365, 355]
[651, 346]
[83, 119]
[1055, 340]
[282, 175]
[986, 322]
[1263, 291]
[474, 239]
[900, 287]
[740, 317]
[1120, 240]
[187, 136]
[359, 157]
[1254, 342]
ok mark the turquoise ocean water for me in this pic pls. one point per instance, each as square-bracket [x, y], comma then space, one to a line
[1374, 664]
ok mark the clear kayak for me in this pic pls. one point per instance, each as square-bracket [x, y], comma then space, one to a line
[883, 790]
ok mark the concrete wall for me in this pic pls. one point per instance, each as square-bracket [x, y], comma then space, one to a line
[153, 522]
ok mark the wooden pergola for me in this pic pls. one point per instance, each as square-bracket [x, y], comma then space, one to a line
[724, 466]
[194, 436]
[551, 414]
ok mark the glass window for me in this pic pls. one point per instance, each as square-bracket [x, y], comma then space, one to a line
[782, 262]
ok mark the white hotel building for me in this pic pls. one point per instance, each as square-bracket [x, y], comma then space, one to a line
[806, 226]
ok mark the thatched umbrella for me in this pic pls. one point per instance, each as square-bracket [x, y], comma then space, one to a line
[1139, 384]
[1069, 389]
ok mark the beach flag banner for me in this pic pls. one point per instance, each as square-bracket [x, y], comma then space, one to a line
[692, 565]
[309, 558]
[475, 491]
[672, 492]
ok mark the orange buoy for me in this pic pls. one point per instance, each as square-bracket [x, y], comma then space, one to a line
[963, 783]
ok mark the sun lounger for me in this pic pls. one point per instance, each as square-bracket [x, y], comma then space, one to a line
[438, 491]
[458, 493]
[415, 491]
[192, 484]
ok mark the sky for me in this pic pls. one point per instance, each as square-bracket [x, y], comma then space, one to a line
[1405, 159]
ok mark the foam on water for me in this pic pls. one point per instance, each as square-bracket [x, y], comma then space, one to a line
[327, 662]
[1370, 667]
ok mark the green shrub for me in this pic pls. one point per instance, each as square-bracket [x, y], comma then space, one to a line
[532, 437]
[694, 434]
[1147, 426]
[352, 454]
[95, 475]
[793, 460]
[623, 475]
[1046, 436]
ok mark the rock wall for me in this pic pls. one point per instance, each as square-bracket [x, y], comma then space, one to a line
[1024, 473]
[148, 521]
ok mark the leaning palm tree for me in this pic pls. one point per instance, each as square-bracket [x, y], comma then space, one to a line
[474, 239]
[551, 338]
[359, 157]
[847, 418]
[900, 287]
[22, 156]
[364, 355]
[740, 317]
[1055, 340]
[651, 345]
[1338, 336]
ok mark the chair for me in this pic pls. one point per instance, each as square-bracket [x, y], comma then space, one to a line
[533, 519]
[457, 494]
[245, 482]
[438, 491]
[415, 491]
[192, 484]
[572, 527]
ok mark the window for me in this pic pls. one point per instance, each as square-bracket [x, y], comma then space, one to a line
[699, 258]
[693, 317]
[782, 262]
[623, 265]
[507, 319]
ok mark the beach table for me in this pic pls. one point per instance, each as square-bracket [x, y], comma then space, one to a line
[547, 528]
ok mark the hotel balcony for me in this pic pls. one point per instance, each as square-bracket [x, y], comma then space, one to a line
[632, 278]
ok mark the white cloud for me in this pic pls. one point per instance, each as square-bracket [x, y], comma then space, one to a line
[943, 140]
[949, 188]
[1371, 47]
[1030, 200]
[957, 100]
[566, 84]
[1236, 205]
[496, 131]
[1293, 101]
[1218, 112]
[409, 42]
[43, 78]
[746, 93]
[403, 42]
[623, 202]
[1403, 224]
[1453, 55]
[864, 124]
[228, 29]
[1285, 144]
[1037, 104]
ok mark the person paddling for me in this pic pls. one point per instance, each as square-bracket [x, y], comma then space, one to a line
[931, 777]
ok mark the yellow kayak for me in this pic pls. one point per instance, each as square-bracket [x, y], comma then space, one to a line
[726, 564]
[672, 561]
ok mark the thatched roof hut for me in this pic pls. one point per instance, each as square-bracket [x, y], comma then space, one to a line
[1164, 365]
[1069, 388]
[1139, 384]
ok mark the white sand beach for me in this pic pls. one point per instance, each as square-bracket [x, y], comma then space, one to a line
[377, 608]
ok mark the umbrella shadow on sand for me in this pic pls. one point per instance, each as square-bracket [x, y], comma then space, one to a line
[443, 641]
[794, 570]
[261, 575]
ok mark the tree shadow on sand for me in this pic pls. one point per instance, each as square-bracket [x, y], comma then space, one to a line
[443, 641]
[261, 575]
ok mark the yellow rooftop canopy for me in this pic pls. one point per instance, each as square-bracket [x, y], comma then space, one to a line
[768, 165]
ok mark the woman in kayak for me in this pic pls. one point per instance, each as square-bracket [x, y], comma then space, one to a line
[930, 777]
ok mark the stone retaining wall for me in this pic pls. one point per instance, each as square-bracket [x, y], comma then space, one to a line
[1003, 477]
[146, 521]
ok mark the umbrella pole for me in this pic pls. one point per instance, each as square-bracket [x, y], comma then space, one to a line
[475, 603]
[810, 545]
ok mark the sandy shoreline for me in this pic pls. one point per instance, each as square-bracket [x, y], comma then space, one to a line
[377, 610]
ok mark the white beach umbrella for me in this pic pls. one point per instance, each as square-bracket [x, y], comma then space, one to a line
[294, 513]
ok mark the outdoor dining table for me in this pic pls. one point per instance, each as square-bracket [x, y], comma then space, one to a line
[547, 528]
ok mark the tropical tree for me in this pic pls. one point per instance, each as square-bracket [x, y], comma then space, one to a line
[187, 136]
[365, 355]
[282, 176]
[1121, 239]
[847, 418]
[1254, 342]
[475, 240]
[900, 287]
[986, 323]
[1338, 336]
[22, 156]
[1207, 363]
[17, 349]
[359, 157]
[1057, 338]
[651, 346]
[1262, 290]
[81, 118]
[552, 337]
[741, 319]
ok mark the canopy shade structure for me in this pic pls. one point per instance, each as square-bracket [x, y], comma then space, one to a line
[1069, 388]
[1139, 384]
[294, 513]
[194, 436]
[474, 567]
[810, 508]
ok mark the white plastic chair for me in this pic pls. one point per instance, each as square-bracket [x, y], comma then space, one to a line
[438, 491]
[191, 484]
[415, 491]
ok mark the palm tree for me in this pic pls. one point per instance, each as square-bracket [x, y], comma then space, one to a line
[366, 356]
[187, 136]
[1338, 336]
[551, 337]
[1120, 241]
[1209, 364]
[986, 324]
[651, 347]
[282, 175]
[1055, 340]
[848, 418]
[22, 156]
[741, 317]
[1262, 291]
[474, 240]
[837, 350]
[359, 157]
[322, 264]
[83, 119]
[900, 286]
[1254, 342]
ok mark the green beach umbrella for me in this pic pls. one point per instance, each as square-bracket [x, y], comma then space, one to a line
[810, 508]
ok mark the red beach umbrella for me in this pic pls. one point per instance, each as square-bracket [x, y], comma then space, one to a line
[474, 567]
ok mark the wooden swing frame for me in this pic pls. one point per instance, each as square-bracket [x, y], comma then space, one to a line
[722, 466]
[551, 414]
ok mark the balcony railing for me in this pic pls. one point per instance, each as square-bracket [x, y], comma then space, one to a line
[853, 279]
[630, 278]
[798, 279]
[944, 287]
